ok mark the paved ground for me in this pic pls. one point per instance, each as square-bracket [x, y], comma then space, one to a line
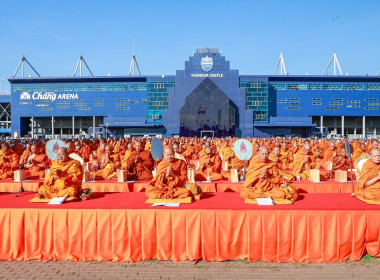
[367, 268]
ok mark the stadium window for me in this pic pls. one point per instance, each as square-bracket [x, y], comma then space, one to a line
[316, 103]
[338, 99]
[317, 99]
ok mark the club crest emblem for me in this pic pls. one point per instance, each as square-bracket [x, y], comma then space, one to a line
[207, 63]
[25, 96]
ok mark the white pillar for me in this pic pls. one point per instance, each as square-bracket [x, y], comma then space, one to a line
[355, 128]
[73, 126]
[363, 125]
[52, 127]
[93, 125]
[342, 126]
[321, 121]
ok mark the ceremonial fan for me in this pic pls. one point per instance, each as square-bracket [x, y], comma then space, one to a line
[243, 151]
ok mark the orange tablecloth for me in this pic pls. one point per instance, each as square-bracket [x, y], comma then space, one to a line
[114, 186]
[12, 186]
[334, 227]
[324, 187]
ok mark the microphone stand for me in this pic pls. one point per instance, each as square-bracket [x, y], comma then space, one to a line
[21, 190]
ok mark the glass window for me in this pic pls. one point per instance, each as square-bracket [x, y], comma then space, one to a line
[353, 86]
[317, 99]
[373, 86]
[332, 86]
[315, 86]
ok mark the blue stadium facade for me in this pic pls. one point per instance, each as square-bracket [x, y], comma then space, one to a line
[206, 98]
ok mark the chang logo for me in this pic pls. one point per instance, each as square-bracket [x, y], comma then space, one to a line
[25, 96]
[207, 63]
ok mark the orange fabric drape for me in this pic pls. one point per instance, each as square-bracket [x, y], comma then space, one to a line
[217, 186]
[191, 234]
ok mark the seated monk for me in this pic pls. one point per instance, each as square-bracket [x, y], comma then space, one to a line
[170, 179]
[27, 152]
[263, 179]
[107, 166]
[342, 161]
[210, 165]
[124, 159]
[139, 164]
[359, 151]
[9, 162]
[37, 163]
[235, 163]
[328, 154]
[65, 178]
[368, 187]
[303, 162]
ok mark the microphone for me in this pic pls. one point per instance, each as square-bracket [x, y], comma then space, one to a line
[22, 164]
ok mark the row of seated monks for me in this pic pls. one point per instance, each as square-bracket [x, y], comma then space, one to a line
[274, 161]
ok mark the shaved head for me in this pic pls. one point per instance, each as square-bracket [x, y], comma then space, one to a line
[169, 153]
[374, 155]
[264, 153]
[62, 154]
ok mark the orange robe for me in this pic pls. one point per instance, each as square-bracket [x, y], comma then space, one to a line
[125, 159]
[18, 149]
[85, 152]
[107, 169]
[211, 170]
[25, 155]
[357, 154]
[163, 187]
[8, 164]
[369, 171]
[328, 155]
[270, 185]
[68, 183]
[140, 171]
[299, 166]
[36, 172]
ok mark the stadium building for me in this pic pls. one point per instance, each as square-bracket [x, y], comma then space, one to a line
[207, 98]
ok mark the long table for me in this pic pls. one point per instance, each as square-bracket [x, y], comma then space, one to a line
[219, 227]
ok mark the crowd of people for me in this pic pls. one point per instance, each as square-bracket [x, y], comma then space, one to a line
[274, 162]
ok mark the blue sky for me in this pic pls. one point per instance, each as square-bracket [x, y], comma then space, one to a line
[250, 34]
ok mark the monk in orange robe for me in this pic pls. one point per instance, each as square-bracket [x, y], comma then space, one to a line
[263, 179]
[139, 164]
[286, 155]
[127, 153]
[27, 152]
[84, 150]
[341, 162]
[368, 187]
[65, 178]
[9, 162]
[374, 144]
[37, 164]
[328, 154]
[170, 179]
[107, 166]
[303, 162]
[209, 167]
[17, 148]
[358, 152]
[235, 163]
